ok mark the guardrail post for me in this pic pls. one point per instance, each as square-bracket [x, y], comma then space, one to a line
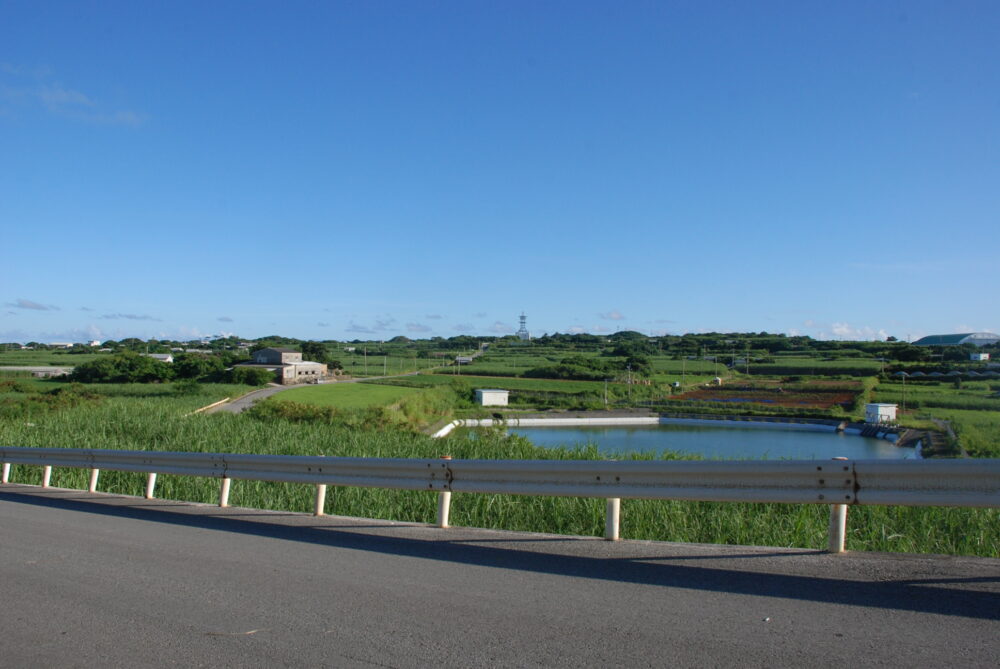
[150, 485]
[5, 475]
[46, 475]
[224, 492]
[838, 528]
[444, 503]
[444, 508]
[94, 473]
[612, 518]
[320, 499]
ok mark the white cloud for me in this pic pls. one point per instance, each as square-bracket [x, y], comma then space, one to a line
[576, 329]
[499, 327]
[28, 304]
[613, 315]
[433, 317]
[847, 331]
[61, 100]
[131, 317]
[417, 327]
[225, 319]
[463, 327]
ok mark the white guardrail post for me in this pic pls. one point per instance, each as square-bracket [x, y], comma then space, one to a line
[46, 476]
[320, 507]
[612, 519]
[150, 485]
[837, 533]
[444, 503]
[5, 473]
[92, 484]
[224, 492]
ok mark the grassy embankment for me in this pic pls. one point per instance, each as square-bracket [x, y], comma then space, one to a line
[154, 418]
[973, 410]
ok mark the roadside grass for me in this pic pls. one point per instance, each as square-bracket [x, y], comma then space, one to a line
[346, 395]
[160, 424]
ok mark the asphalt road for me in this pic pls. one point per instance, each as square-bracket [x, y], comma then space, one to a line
[100, 580]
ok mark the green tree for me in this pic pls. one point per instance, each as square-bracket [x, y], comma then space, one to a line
[315, 351]
[197, 366]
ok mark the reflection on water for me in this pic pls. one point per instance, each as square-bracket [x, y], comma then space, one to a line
[740, 443]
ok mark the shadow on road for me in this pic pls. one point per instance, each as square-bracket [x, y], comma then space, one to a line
[930, 595]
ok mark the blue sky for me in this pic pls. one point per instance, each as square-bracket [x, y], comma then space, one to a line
[342, 170]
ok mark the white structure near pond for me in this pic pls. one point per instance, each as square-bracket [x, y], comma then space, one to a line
[491, 397]
[876, 413]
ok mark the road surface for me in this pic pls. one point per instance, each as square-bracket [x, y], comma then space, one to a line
[101, 580]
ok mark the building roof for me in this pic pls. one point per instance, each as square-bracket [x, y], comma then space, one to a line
[977, 338]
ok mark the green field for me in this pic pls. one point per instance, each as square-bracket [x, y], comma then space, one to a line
[346, 395]
[45, 358]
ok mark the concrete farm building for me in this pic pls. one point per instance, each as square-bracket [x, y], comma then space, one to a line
[288, 366]
[977, 338]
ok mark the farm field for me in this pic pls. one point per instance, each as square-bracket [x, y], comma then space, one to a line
[45, 358]
[811, 394]
[501, 382]
[346, 395]
[788, 366]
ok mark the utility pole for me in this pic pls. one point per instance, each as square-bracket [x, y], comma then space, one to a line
[366, 361]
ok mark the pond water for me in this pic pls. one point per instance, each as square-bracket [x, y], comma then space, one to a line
[710, 441]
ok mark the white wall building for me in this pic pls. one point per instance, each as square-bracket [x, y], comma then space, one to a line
[877, 413]
[491, 397]
[979, 357]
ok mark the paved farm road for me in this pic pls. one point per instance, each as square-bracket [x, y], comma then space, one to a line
[113, 582]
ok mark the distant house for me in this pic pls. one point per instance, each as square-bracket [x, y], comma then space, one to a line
[979, 357]
[463, 360]
[60, 344]
[492, 397]
[288, 366]
[162, 357]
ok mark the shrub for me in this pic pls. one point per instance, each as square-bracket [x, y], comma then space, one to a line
[251, 376]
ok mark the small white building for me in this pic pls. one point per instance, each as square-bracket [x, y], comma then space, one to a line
[877, 413]
[979, 357]
[491, 397]
[162, 357]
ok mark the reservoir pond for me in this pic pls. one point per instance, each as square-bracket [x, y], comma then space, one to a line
[719, 442]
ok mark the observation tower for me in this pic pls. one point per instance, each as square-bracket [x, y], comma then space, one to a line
[522, 332]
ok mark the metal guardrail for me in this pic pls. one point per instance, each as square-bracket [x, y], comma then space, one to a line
[838, 483]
